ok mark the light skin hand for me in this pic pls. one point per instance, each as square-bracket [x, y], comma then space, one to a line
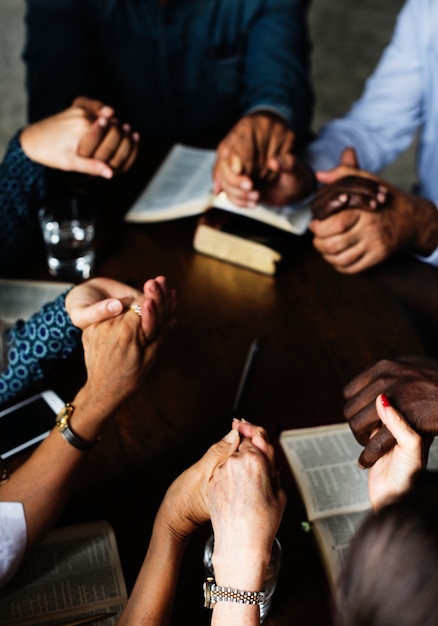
[71, 140]
[120, 351]
[410, 383]
[184, 508]
[244, 520]
[98, 299]
[185, 505]
[246, 155]
[391, 474]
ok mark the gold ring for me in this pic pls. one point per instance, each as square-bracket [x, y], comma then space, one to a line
[136, 308]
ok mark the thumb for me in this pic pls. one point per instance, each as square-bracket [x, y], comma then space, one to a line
[91, 166]
[349, 158]
[98, 312]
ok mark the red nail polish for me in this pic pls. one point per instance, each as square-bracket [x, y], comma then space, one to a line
[384, 400]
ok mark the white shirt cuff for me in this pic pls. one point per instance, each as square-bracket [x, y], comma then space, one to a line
[13, 539]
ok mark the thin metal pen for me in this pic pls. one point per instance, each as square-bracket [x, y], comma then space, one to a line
[245, 376]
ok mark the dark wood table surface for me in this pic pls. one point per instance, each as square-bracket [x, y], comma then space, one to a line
[317, 329]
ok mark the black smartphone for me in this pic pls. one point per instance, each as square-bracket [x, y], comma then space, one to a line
[27, 423]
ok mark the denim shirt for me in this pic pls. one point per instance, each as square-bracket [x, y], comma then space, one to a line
[179, 70]
[399, 100]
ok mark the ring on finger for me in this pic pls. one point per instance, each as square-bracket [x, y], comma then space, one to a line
[136, 308]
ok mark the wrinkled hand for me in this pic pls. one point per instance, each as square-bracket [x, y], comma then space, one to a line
[84, 138]
[246, 505]
[246, 157]
[411, 385]
[392, 473]
[120, 351]
[185, 507]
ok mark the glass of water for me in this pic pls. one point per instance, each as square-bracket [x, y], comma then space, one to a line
[271, 574]
[68, 226]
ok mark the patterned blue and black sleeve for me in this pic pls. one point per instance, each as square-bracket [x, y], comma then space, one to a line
[22, 192]
[33, 345]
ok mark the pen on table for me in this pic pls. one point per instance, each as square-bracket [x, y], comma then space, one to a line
[245, 376]
[89, 619]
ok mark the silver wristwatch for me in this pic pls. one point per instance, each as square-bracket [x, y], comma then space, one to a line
[213, 593]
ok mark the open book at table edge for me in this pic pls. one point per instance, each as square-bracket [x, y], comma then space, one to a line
[149, 205]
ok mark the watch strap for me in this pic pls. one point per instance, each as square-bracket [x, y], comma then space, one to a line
[214, 593]
[63, 424]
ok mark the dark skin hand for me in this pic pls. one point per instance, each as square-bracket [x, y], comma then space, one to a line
[411, 385]
[349, 192]
[354, 238]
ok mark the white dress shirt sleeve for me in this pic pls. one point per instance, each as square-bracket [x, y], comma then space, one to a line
[13, 539]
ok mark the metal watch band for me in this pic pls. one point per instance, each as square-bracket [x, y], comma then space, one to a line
[214, 593]
[62, 421]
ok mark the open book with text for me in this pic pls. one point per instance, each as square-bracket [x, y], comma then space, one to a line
[323, 461]
[74, 574]
[182, 187]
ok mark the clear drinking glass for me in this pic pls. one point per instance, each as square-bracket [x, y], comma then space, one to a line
[68, 226]
[271, 575]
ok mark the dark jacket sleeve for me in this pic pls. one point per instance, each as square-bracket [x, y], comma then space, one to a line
[22, 192]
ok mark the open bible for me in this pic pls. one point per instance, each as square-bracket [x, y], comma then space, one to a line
[323, 461]
[73, 575]
[182, 187]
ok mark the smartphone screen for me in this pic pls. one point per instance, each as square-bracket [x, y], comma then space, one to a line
[27, 423]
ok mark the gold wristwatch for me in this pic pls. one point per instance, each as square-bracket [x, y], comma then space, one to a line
[63, 423]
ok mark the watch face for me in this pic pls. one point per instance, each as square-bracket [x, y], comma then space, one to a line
[207, 592]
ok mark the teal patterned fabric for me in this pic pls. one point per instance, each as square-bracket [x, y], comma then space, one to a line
[34, 345]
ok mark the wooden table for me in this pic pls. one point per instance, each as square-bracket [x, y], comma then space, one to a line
[317, 329]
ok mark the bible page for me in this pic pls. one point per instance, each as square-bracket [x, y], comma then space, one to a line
[323, 461]
[73, 574]
[180, 188]
[334, 535]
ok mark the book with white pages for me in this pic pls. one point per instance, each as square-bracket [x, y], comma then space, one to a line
[324, 463]
[182, 187]
[19, 299]
[73, 576]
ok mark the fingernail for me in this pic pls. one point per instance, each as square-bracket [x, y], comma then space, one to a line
[384, 400]
[246, 185]
[232, 436]
[114, 306]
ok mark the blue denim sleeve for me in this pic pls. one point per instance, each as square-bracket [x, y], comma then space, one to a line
[33, 345]
[22, 189]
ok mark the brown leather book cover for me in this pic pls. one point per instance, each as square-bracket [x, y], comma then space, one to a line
[242, 241]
